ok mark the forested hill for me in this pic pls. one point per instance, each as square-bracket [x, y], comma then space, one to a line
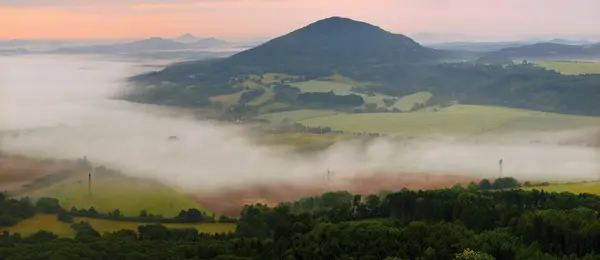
[550, 51]
[375, 61]
[333, 43]
[318, 49]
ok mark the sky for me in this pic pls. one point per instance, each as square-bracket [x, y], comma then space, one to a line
[124, 19]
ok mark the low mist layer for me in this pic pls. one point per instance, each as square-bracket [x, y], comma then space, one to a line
[58, 107]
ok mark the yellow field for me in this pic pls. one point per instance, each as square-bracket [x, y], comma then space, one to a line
[576, 188]
[572, 67]
[50, 223]
[42, 222]
[130, 196]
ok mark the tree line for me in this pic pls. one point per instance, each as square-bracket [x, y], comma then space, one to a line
[474, 222]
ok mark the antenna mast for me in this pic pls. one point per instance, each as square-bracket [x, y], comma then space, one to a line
[90, 184]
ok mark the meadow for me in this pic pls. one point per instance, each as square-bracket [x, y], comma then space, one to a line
[337, 84]
[340, 87]
[49, 222]
[576, 188]
[296, 115]
[457, 120]
[302, 142]
[129, 195]
[571, 67]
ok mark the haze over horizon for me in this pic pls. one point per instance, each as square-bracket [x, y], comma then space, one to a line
[97, 19]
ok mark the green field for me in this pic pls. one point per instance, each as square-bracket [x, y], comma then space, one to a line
[296, 115]
[339, 88]
[337, 84]
[229, 99]
[576, 188]
[324, 86]
[130, 196]
[50, 223]
[458, 120]
[407, 102]
[303, 141]
[572, 67]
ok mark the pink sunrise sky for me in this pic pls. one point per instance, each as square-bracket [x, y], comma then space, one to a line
[250, 18]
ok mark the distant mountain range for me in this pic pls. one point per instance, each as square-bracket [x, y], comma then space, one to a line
[546, 51]
[14, 51]
[496, 46]
[151, 44]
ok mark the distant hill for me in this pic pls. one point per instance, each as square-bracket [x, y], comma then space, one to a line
[476, 46]
[334, 42]
[375, 67]
[186, 38]
[499, 45]
[546, 51]
[151, 44]
[208, 43]
[19, 51]
[570, 42]
[197, 42]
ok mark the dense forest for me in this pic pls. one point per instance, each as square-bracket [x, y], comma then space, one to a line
[475, 222]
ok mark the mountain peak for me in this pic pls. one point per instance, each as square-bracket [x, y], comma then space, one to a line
[337, 24]
[186, 38]
[335, 42]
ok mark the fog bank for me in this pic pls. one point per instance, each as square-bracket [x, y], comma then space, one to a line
[63, 102]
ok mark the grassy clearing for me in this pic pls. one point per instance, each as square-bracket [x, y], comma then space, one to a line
[102, 225]
[458, 120]
[303, 141]
[50, 223]
[130, 196]
[270, 78]
[572, 67]
[324, 86]
[343, 80]
[296, 115]
[576, 188]
[376, 99]
[42, 222]
[546, 122]
[407, 102]
[339, 88]
[229, 99]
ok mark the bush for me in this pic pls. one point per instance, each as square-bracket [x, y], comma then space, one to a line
[64, 217]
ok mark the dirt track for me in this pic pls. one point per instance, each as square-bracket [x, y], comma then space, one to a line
[229, 202]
